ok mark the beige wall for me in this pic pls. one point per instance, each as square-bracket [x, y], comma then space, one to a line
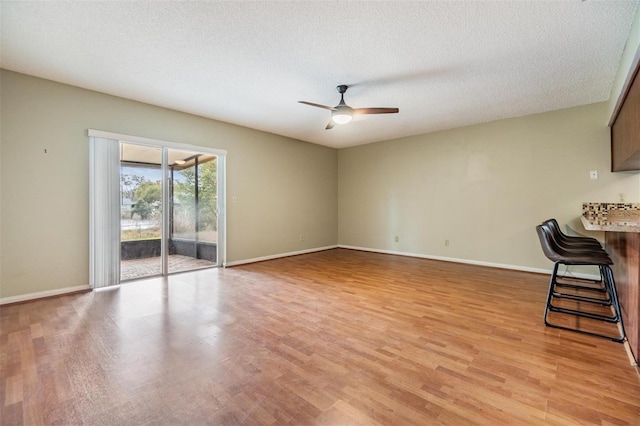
[483, 187]
[1, 183]
[626, 64]
[284, 187]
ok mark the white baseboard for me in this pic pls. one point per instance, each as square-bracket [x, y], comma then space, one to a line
[468, 261]
[418, 255]
[42, 294]
[62, 291]
[277, 256]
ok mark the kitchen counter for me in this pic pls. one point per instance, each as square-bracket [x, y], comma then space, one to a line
[611, 224]
[616, 217]
[621, 225]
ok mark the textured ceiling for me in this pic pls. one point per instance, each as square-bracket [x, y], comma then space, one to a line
[444, 64]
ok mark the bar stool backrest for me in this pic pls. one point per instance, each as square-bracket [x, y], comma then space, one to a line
[547, 246]
[553, 225]
[569, 256]
[572, 245]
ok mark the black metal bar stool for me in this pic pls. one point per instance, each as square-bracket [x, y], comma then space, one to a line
[593, 254]
[575, 254]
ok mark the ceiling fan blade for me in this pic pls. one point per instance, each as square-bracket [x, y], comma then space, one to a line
[375, 110]
[330, 125]
[317, 105]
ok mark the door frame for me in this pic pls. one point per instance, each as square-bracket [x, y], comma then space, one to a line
[165, 146]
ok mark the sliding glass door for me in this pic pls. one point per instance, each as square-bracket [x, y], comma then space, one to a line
[193, 215]
[168, 210]
[141, 209]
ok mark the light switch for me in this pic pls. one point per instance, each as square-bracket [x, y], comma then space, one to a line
[593, 174]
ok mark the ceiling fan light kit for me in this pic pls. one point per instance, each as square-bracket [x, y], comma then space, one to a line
[343, 113]
[341, 117]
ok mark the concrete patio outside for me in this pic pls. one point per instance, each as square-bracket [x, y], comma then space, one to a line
[141, 268]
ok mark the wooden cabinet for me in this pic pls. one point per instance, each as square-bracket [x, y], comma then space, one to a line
[624, 248]
[625, 131]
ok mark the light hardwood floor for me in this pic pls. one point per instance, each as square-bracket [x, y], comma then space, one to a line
[336, 337]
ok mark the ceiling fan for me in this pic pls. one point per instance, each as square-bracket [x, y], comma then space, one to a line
[343, 113]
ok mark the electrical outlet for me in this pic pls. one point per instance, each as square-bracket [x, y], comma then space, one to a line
[446, 243]
[301, 237]
[397, 239]
[621, 197]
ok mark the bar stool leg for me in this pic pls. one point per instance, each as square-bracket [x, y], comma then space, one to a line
[616, 302]
[594, 285]
[613, 295]
[550, 294]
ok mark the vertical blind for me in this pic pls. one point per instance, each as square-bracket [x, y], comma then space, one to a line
[104, 210]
